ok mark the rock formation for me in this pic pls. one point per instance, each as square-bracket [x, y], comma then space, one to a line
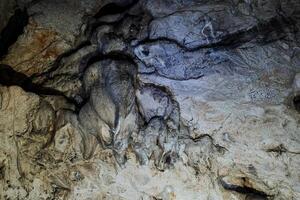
[150, 99]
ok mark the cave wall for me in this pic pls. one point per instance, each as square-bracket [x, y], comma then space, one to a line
[140, 99]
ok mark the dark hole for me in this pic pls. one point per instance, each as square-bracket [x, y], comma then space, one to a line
[13, 29]
[296, 102]
[168, 160]
[109, 9]
[145, 52]
[255, 197]
[8, 76]
[250, 192]
[113, 8]
[1, 172]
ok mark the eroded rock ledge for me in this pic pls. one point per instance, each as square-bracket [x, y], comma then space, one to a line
[127, 99]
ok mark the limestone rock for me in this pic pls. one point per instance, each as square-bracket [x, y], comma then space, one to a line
[162, 99]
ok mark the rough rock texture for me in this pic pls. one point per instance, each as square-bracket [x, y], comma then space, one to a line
[160, 99]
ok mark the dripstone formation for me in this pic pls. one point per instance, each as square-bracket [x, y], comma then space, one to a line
[146, 100]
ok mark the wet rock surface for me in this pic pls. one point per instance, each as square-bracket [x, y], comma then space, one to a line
[120, 99]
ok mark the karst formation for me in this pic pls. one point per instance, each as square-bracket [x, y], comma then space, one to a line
[149, 99]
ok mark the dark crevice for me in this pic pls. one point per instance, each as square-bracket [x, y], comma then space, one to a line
[13, 30]
[263, 33]
[113, 8]
[97, 56]
[10, 77]
[244, 189]
[280, 149]
[168, 160]
[296, 102]
[218, 147]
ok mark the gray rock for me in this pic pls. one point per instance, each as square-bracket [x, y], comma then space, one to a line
[172, 62]
[154, 103]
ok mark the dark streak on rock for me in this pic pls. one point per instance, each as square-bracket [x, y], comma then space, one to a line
[244, 189]
[264, 33]
[10, 77]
